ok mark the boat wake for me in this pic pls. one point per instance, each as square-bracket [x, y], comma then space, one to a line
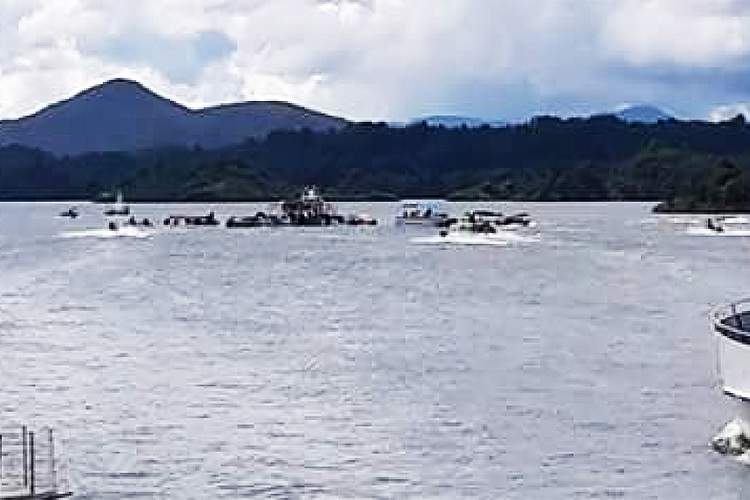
[502, 238]
[704, 231]
[734, 440]
[125, 231]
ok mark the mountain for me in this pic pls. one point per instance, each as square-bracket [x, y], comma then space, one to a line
[642, 114]
[123, 115]
[452, 121]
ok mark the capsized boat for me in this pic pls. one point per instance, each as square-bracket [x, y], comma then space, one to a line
[310, 209]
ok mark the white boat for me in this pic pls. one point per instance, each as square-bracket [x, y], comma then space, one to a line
[422, 213]
[731, 325]
[485, 227]
[119, 208]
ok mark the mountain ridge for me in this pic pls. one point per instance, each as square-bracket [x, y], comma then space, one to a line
[124, 115]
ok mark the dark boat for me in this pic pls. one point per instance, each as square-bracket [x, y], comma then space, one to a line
[72, 212]
[310, 210]
[714, 225]
[134, 222]
[260, 219]
[192, 220]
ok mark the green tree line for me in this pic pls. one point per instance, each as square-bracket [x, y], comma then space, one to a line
[687, 165]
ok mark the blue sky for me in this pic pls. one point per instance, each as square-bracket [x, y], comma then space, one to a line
[391, 60]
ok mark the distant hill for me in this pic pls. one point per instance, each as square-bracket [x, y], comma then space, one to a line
[642, 114]
[123, 115]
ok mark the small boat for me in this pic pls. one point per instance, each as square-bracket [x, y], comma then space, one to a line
[361, 220]
[119, 208]
[260, 219]
[422, 213]
[488, 221]
[72, 212]
[192, 220]
[714, 225]
[134, 222]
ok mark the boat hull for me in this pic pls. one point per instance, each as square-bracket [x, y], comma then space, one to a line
[732, 332]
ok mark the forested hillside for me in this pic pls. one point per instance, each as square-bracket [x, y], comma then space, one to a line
[692, 165]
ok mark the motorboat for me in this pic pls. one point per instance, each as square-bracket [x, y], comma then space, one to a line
[714, 225]
[192, 220]
[119, 208]
[422, 213]
[488, 221]
[72, 212]
[489, 227]
[731, 328]
[361, 220]
[260, 219]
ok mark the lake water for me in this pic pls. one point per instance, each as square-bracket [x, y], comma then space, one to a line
[353, 362]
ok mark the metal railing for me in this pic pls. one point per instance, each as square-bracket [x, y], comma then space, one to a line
[30, 465]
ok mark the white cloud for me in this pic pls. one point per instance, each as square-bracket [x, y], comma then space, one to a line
[729, 111]
[381, 59]
[688, 32]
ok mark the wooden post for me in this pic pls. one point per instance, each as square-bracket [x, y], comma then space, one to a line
[31, 463]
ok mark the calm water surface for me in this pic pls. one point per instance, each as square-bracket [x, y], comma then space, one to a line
[352, 362]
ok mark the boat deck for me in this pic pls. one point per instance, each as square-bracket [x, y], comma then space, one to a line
[733, 321]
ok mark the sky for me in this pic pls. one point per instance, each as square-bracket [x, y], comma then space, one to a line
[389, 60]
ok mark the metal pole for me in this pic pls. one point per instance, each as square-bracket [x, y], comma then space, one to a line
[24, 434]
[52, 461]
[31, 464]
[1, 461]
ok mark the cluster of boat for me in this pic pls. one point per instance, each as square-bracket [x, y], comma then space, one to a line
[310, 209]
[484, 222]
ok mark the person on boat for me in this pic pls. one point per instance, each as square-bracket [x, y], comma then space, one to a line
[713, 226]
[112, 226]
